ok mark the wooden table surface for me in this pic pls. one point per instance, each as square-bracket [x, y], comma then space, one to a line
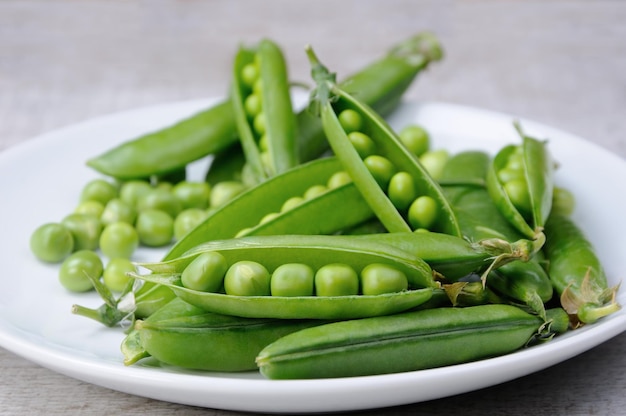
[562, 63]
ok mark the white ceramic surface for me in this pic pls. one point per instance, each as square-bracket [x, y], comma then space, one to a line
[40, 181]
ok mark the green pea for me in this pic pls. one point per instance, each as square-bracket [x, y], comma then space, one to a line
[423, 212]
[415, 138]
[192, 194]
[508, 174]
[117, 210]
[402, 190]
[223, 192]
[381, 169]
[115, 275]
[291, 203]
[132, 191]
[362, 143]
[253, 105]
[378, 278]
[98, 190]
[292, 279]
[269, 217]
[338, 179]
[51, 242]
[162, 200]
[187, 220]
[515, 160]
[93, 208]
[259, 124]
[119, 239]
[250, 74]
[85, 229]
[257, 87]
[517, 190]
[75, 269]
[247, 278]
[336, 279]
[155, 228]
[350, 120]
[434, 161]
[314, 191]
[205, 273]
[264, 143]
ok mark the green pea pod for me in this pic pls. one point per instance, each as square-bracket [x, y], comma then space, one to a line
[520, 181]
[271, 115]
[185, 336]
[402, 342]
[577, 273]
[314, 215]
[331, 100]
[171, 148]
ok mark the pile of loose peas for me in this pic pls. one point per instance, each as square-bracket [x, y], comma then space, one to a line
[112, 220]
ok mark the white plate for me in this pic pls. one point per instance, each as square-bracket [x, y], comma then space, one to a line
[40, 182]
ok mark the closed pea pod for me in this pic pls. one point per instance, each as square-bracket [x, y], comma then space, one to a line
[576, 272]
[372, 175]
[402, 342]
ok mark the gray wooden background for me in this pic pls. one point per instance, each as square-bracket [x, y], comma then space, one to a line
[562, 63]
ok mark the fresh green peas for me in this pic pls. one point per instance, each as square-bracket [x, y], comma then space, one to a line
[250, 74]
[75, 269]
[362, 143]
[434, 161]
[381, 168]
[253, 105]
[94, 208]
[350, 120]
[423, 212]
[260, 124]
[160, 199]
[205, 273]
[187, 220]
[402, 190]
[336, 279]
[132, 191]
[192, 194]
[415, 138]
[98, 190]
[223, 192]
[291, 203]
[338, 179]
[85, 229]
[51, 242]
[377, 279]
[517, 190]
[119, 239]
[292, 279]
[154, 227]
[247, 278]
[115, 275]
[314, 191]
[117, 210]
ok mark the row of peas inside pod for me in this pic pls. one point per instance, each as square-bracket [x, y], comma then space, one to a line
[112, 220]
[211, 272]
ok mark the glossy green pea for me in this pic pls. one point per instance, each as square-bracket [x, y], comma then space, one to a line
[98, 190]
[133, 190]
[223, 192]
[192, 194]
[336, 280]
[119, 239]
[178, 335]
[407, 341]
[162, 200]
[415, 138]
[187, 220]
[362, 143]
[381, 169]
[290, 204]
[292, 279]
[377, 279]
[117, 210]
[423, 212]
[250, 74]
[51, 242]
[402, 190]
[85, 229]
[205, 273]
[93, 208]
[350, 120]
[576, 272]
[75, 268]
[527, 213]
[338, 179]
[155, 228]
[247, 278]
[115, 275]
[315, 191]
[434, 161]
[252, 105]
[332, 100]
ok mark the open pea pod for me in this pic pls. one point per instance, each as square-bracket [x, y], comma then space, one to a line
[263, 109]
[520, 180]
[391, 179]
[312, 210]
[314, 251]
